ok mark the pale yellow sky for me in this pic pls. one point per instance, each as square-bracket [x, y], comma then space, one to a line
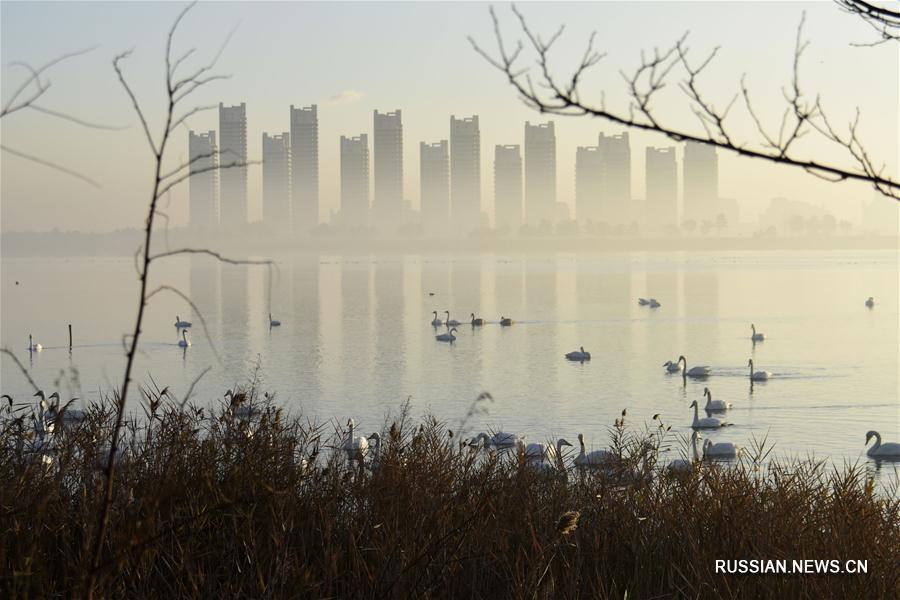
[352, 58]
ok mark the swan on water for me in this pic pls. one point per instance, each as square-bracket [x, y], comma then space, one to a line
[720, 450]
[505, 321]
[595, 458]
[477, 322]
[870, 302]
[758, 375]
[184, 342]
[450, 322]
[654, 303]
[32, 347]
[446, 337]
[695, 372]
[273, 322]
[714, 405]
[436, 322]
[181, 324]
[706, 422]
[879, 450]
[579, 355]
[756, 337]
[355, 447]
[65, 417]
[683, 465]
[539, 451]
[672, 367]
[643, 301]
[505, 439]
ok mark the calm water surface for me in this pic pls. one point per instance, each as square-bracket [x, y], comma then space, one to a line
[356, 339]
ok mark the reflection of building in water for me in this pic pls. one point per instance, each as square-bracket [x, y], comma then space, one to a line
[204, 292]
[356, 316]
[305, 319]
[701, 303]
[235, 299]
[604, 292]
[389, 360]
[465, 281]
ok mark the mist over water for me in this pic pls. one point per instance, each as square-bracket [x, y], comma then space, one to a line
[356, 339]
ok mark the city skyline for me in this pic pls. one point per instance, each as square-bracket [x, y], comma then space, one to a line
[440, 75]
[524, 186]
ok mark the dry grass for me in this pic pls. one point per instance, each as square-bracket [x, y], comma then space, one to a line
[210, 505]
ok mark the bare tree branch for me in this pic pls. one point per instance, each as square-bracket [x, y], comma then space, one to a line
[50, 165]
[884, 20]
[801, 116]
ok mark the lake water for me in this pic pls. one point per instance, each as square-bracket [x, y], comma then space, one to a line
[356, 338]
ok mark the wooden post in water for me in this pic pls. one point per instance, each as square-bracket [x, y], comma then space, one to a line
[70, 337]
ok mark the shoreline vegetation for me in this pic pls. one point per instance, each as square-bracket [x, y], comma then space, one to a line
[258, 240]
[243, 500]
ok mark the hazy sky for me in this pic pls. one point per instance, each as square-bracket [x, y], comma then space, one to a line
[351, 58]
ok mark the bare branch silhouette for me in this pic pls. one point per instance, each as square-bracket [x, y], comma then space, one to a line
[16, 102]
[177, 90]
[802, 116]
[50, 165]
[884, 20]
[20, 366]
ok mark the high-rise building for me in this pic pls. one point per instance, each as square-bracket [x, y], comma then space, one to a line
[616, 196]
[540, 172]
[662, 186]
[508, 187]
[588, 184]
[387, 204]
[434, 161]
[465, 173]
[276, 150]
[305, 167]
[233, 151]
[700, 181]
[355, 181]
[204, 179]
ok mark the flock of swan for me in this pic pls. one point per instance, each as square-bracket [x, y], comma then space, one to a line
[548, 458]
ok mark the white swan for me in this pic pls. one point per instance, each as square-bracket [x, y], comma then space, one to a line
[683, 465]
[758, 375]
[181, 324]
[756, 337]
[505, 439]
[595, 458]
[706, 422]
[714, 405]
[672, 367]
[32, 347]
[65, 417]
[879, 450]
[579, 355]
[505, 321]
[720, 450]
[446, 337]
[539, 451]
[184, 342]
[450, 322]
[870, 302]
[273, 322]
[356, 448]
[695, 372]
[643, 301]
[654, 303]
[436, 322]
